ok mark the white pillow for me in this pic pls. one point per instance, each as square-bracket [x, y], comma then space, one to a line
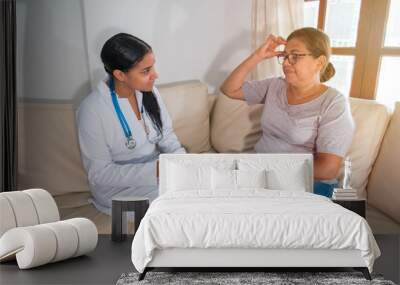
[191, 174]
[294, 180]
[251, 178]
[183, 178]
[223, 179]
[236, 179]
[280, 174]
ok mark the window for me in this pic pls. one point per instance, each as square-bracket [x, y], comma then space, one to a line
[392, 37]
[365, 42]
[388, 90]
[341, 22]
[344, 71]
[311, 14]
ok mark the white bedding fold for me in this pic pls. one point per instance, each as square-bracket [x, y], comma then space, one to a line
[253, 218]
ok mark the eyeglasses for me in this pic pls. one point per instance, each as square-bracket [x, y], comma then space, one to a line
[291, 57]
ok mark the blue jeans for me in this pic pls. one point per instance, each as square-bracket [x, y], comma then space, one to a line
[324, 189]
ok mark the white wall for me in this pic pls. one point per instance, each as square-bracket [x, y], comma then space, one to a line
[59, 41]
[52, 61]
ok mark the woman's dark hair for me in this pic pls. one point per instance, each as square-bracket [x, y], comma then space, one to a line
[123, 51]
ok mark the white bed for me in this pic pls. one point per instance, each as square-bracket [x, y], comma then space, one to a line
[202, 220]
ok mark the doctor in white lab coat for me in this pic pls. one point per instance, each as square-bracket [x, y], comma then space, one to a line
[123, 125]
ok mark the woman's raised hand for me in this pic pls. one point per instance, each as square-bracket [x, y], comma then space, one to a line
[268, 48]
[232, 86]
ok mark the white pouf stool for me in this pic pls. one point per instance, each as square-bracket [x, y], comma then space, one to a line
[31, 230]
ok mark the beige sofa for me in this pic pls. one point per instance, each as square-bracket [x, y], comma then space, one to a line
[49, 153]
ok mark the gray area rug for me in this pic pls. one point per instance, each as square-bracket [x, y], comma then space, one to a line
[230, 278]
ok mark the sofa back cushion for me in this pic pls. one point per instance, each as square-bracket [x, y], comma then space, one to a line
[235, 127]
[384, 186]
[371, 120]
[188, 105]
[48, 150]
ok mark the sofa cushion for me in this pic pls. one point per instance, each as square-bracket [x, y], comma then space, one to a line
[371, 119]
[384, 185]
[101, 220]
[48, 150]
[235, 127]
[72, 200]
[188, 105]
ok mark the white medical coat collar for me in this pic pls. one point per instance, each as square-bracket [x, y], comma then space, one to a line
[104, 90]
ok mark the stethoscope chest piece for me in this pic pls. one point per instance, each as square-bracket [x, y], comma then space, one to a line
[130, 143]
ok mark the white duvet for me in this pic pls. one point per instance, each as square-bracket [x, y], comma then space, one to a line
[252, 218]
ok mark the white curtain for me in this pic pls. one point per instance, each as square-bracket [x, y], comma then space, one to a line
[278, 17]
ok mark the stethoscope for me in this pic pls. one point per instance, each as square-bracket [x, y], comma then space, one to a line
[130, 141]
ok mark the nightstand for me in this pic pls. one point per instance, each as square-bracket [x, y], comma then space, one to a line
[357, 206]
[121, 205]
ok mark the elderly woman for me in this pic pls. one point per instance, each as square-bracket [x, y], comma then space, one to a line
[301, 114]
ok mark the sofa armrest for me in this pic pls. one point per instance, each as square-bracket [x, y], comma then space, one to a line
[384, 183]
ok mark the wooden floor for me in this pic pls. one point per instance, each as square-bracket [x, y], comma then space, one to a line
[111, 259]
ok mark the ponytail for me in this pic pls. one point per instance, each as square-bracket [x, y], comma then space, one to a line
[122, 52]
